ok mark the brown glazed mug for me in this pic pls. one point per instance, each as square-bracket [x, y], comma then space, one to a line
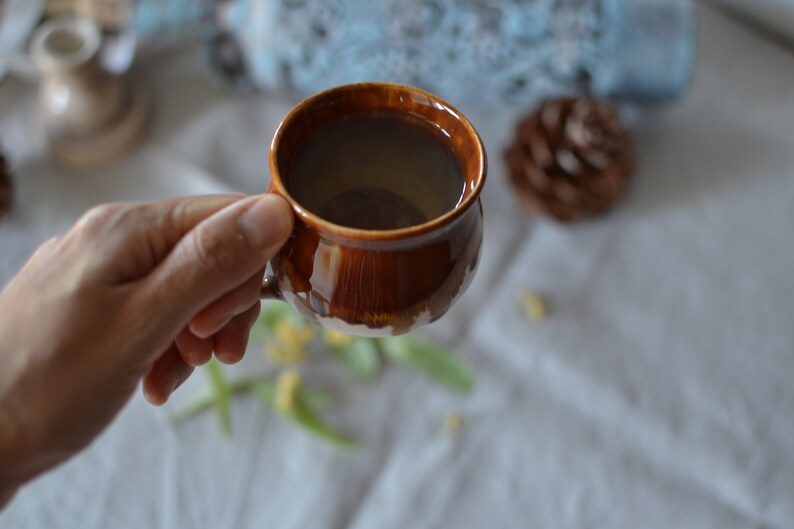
[371, 282]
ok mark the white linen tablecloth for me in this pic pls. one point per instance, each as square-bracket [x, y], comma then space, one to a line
[657, 394]
[774, 15]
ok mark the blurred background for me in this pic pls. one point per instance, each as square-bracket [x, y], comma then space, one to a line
[627, 344]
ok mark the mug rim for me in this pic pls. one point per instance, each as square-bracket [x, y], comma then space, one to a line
[314, 220]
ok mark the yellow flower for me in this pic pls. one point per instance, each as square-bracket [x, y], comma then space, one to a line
[282, 354]
[287, 386]
[294, 335]
[453, 422]
[289, 347]
[533, 305]
[336, 339]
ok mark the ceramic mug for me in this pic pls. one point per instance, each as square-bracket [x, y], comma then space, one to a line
[376, 282]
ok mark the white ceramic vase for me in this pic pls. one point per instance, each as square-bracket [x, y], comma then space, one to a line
[87, 116]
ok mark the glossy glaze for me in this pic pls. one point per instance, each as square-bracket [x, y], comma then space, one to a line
[368, 282]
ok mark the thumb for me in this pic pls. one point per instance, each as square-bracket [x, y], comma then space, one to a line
[216, 256]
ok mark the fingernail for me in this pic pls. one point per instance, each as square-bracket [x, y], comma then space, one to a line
[267, 221]
[206, 333]
[171, 384]
[225, 358]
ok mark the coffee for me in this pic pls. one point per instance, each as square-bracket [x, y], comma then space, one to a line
[376, 171]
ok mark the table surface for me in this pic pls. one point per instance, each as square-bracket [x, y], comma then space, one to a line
[657, 393]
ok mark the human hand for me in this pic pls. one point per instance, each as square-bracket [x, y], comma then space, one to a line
[132, 291]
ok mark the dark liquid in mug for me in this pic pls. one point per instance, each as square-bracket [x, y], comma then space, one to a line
[377, 171]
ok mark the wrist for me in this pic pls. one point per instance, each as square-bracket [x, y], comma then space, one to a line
[7, 437]
[10, 456]
[6, 496]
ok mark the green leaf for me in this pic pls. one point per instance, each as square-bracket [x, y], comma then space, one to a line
[205, 398]
[361, 356]
[265, 390]
[222, 394]
[304, 413]
[307, 417]
[198, 402]
[271, 314]
[431, 359]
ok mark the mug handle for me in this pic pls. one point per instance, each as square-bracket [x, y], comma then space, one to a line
[267, 291]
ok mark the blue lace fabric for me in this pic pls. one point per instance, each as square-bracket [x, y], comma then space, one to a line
[158, 17]
[506, 51]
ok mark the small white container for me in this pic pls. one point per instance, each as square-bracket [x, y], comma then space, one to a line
[87, 116]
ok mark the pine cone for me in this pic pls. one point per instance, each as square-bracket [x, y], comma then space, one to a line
[6, 189]
[571, 159]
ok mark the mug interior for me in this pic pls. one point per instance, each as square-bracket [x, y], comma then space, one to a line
[361, 99]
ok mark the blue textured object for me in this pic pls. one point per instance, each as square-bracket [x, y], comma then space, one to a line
[153, 17]
[508, 51]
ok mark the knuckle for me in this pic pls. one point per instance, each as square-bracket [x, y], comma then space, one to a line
[99, 218]
[128, 215]
[171, 218]
[46, 247]
[214, 253]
